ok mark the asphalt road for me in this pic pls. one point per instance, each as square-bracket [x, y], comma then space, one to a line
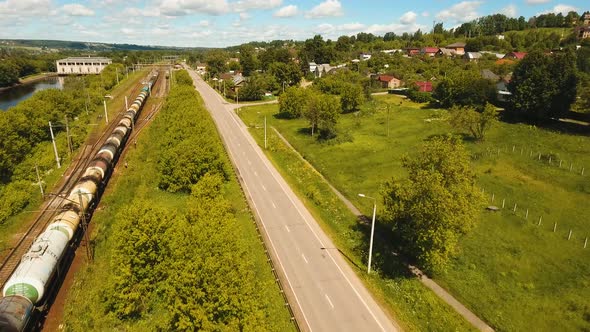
[324, 292]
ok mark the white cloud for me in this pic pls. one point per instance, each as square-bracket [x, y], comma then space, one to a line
[204, 23]
[560, 8]
[287, 11]
[25, 7]
[325, 9]
[408, 18]
[509, 10]
[536, 2]
[244, 16]
[462, 12]
[74, 9]
[245, 5]
[187, 7]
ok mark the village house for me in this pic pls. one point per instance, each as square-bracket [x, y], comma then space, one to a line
[365, 56]
[583, 32]
[459, 48]
[429, 51]
[446, 52]
[515, 55]
[424, 86]
[472, 56]
[411, 51]
[388, 81]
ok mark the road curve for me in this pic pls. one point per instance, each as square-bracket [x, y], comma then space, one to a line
[324, 291]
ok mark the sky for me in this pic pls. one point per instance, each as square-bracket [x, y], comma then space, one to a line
[221, 23]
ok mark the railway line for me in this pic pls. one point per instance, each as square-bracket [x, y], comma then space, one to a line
[56, 202]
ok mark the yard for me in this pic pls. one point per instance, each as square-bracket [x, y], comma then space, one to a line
[514, 270]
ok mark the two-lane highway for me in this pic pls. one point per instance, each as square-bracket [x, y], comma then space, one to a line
[324, 292]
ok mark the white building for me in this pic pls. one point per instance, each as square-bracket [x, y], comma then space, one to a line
[81, 65]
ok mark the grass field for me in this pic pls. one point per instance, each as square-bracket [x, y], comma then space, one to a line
[512, 273]
[86, 310]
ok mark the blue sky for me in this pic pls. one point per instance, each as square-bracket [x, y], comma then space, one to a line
[220, 23]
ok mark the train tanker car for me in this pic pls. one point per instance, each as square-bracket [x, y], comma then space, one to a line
[26, 290]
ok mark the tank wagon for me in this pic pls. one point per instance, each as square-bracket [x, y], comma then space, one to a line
[25, 292]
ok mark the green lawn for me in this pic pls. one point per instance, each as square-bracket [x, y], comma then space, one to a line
[512, 273]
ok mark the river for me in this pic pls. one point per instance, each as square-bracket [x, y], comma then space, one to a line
[15, 95]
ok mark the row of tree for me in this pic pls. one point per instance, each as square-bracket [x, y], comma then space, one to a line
[192, 268]
[25, 140]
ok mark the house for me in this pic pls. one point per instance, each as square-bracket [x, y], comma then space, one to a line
[429, 51]
[393, 51]
[312, 67]
[365, 56]
[497, 55]
[230, 60]
[411, 51]
[446, 52]
[583, 32]
[424, 86]
[324, 69]
[515, 55]
[459, 48]
[489, 75]
[472, 56]
[201, 68]
[388, 81]
[585, 19]
[502, 87]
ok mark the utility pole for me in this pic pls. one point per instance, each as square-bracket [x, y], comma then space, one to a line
[54, 146]
[106, 115]
[39, 181]
[388, 120]
[68, 135]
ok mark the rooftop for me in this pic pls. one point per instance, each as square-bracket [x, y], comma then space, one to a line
[75, 59]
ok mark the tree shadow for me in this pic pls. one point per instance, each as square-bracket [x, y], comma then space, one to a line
[386, 257]
[571, 124]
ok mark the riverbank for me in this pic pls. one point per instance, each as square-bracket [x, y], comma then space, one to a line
[29, 79]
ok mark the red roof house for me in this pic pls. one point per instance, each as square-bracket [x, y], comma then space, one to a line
[515, 55]
[424, 86]
[430, 51]
[388, 81]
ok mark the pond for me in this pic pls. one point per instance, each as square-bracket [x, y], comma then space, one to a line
[11, 97]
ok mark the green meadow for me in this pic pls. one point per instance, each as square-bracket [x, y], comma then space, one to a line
[513, 271]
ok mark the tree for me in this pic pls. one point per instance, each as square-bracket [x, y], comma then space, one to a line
[476, 123]
[248, 60]
[351, 97]
[322, 112]
[285, 73]
[215, 60]
[543, 86]
[292, 103]
[8, 73]
[436, 205]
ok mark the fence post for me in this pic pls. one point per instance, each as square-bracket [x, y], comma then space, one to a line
[527, 214]
[570, 235]
[585, 242]
[560, 163]
[513, 147]
[540, 219]
[550, 159]
[555, 227]
[571, 165]
[539, 155]
[582, 170]
[493, 198]
[515, 207]
[503, 202]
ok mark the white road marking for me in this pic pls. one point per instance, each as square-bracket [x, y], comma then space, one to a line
[273, 205]
[255, 173]
[287, 228]
[329, 301]
[305, 259]
[244, 131]
[263, 188]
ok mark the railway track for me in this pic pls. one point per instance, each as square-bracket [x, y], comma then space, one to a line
[52, 206]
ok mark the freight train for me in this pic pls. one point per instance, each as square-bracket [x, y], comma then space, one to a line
[26, 291]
